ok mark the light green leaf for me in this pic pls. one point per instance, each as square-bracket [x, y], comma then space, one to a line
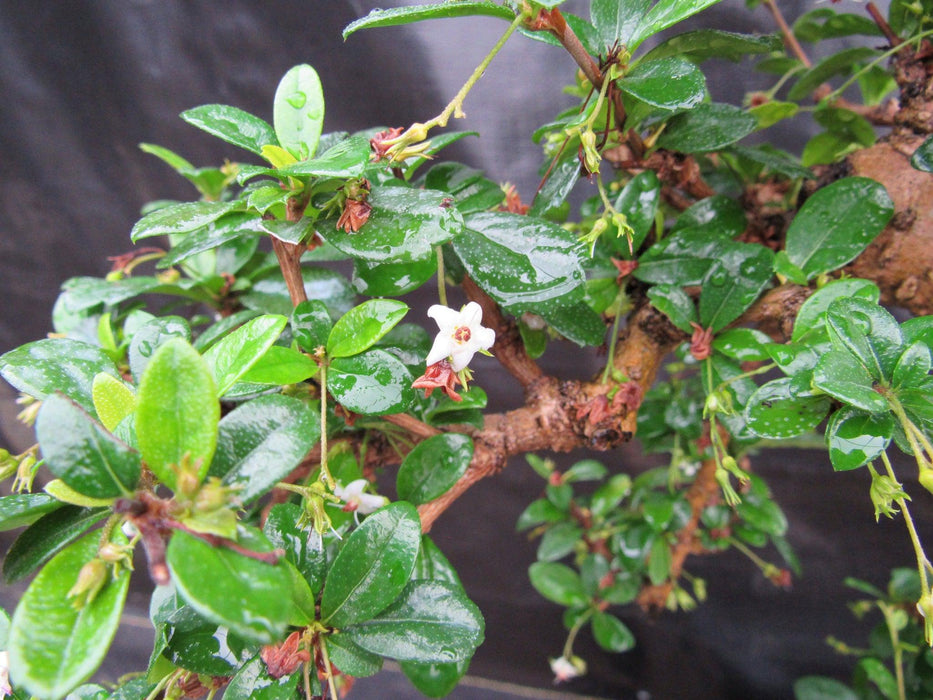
[363, 326]
[372, 383]
[233, 125]
[233, 356]
[416, 13]
[298, 111]
[113, 400]
[180, 218]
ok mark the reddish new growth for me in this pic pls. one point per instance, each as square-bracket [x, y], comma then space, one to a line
[285, 658]
[441, 376]
[701, 343]
[625, 268]
[380, 142]
[513, 203]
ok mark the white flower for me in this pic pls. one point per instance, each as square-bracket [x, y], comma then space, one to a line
[357, 499]
[565, 669]
[460, 336]
[5, 688]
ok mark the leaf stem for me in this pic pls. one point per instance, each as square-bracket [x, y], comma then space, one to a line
[330, 672]
[577, 626]
[441, 281]
[325, 472]
[888, 613]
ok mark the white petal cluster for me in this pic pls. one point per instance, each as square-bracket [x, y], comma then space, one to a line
[356, 498]
[565, 669]
[461, 335]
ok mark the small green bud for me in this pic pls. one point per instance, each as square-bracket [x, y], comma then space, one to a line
[91, 580]
[591, 157]
[884, 491]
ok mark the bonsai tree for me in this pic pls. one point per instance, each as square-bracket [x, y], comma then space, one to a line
[232, 404]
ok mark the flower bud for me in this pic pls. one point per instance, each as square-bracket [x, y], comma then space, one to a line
[91, 579]
[591, 157]
[926, 479]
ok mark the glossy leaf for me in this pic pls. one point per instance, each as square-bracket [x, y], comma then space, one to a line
[432, 564]
[344, 160]
[233, 356]
[281, 366]
[180, 218]
[19, 509]
[854, 437]
[558, 186]
[821, 688]
[611, 633]
[812, 313]
[247, 596]
[372, 383]
[639, 201]
[253, 682]
[416, 13]
[372, 567]
[46, 537]
[298, 111]
[664, 14]
[431, 622]
[73, 641]
[433, 466]
[391, 280]
[840, 375]
[826, 23]
[836, 224]
[617, 21]
[558, 583]
[44, 367]
[311, 325]
[868, 332]
[707, 127]
[351, 658]
[520, 261]
[261, 441]
[682, 258]
[702, 44]
[742, 344]
[733, 282]
[283, 532]
[113, 400]
[674, 303]
[405, 225]
[434, 680]
[576, 322]
[719, 216]
[913, 366]
[559, 541]
[922, 159]
[774, 412]
[176, 411]
[227, 228]
[363, 325]
[672, 84]
[80, 452]
[150, 336]
[233, 125]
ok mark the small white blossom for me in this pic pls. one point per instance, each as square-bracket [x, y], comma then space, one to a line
[357, 500]
[460, 336]
[565, 669]
[5, 688]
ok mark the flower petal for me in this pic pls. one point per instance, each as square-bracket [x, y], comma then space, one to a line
[445, 317]
[442, 348]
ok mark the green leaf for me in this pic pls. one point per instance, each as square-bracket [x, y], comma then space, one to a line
[837, 223]
[199, 645]
[763, 514]
[576, 322]
[180, 218]
[769, 114]
[405, 225]
[557, 188]
[261, 441]
[672, 84]
[826, 23]
[113, 400]
[283, 532]
[868, 332]
[396, 16]
[558, 583]
[659, 562]
[434, 680]
[742, 344]
[344, 160]
[702, 44]
[431, 622]
[233, 356]
[611, 633]
[879, 674]
[253, 682]
[617, 21]
[913, 366]
[663, 14]
[44, 367]
[922, 159]
[150, 337]
[362, 326]
[842, 376]
[19, 509]
[521, 261]
[247, 596]
[639, 201]
[391, 280]
[812, 313]
[298, 111]
[311, 325]
[775, 412]
[610, 494]
[432, 564]
[351, 658]
[46, 537]
[372, 383]
[176, 411]
[281, 366]
[72, 642]
[227, 228]
[233, 125]
[538, 512]
[719, 216]
[559, 541]
[843, 62]
[821, 688]
[707, 127]
[80, 452]
[682, 258]
[854, 437]
[733, 282]
[433, 466]
[372, 567]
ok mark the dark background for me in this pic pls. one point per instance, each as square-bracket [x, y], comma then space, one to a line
[82, 83]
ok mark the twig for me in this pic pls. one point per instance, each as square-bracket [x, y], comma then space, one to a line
[412, 425]
[893, 39]
[789, 39]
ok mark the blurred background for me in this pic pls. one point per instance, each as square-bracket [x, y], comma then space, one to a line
[85, 81]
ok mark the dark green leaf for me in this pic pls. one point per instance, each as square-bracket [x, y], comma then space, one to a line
[150, 336]
[558, 583]
[373, 566]
[311, 324]
[233, 356]
[922, 159]
[707, 127]
[344, 160]
[538, 512]
[674, 303]
[44, 367]
[854, 437]
[733, 282]
[774, 412]
[659, 562]
[681, 259]
[611, 633]
[719, 216]
[842, 62]
[826, 23]
[813, 312]
[671, 84]
[610, 494]
[377, 279]
[770, 158]
[363, 325]
[434, 680]
[136, 688]
[283, 532]
[199, 645]
[298, 111]
[432, 564]
[73, 641]
[837, 223]
[431, 622]
[639, 201]
[560, 182]
[840, 375]
[180, 218]
[763, 514]
[913, 366]
[742, 344]
[433, 466]
[406, 15]
[702, 44]
[868, 332]
[233, 125]
[821, 688]
[79, 451]
[663, 14]
[46, 537]
[19, 509]
[253, 682]
[225, 229]
[261, 441]
[576, 322]
[617, 21]
[249, 597]
[372, 383]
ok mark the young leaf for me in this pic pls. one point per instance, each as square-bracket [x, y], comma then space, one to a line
[433, 466]
[837, 223]
[177, 411]
[363, 325]
[416, 13]
[233, 125]
[372, 383]
[372, 567]
[431, 622]
[248, 596]
[344, 160]
[73, 641]
[233, 356]
[298, 111]
[281, 366]
[113, 400]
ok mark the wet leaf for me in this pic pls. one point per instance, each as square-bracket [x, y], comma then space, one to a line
[733, 282]
[298, 111]
[702, 44]
[812, 313]
[180, 218]
[253, 682]
[233, 125]
[855, 437]
[416, 13]
[433, 466]
[840, 375]
[558, 583]
[343, 160]
[773, 411]
[363, 325]
[372, 383]
[232, 356]
[707, 127]
[922, 159]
